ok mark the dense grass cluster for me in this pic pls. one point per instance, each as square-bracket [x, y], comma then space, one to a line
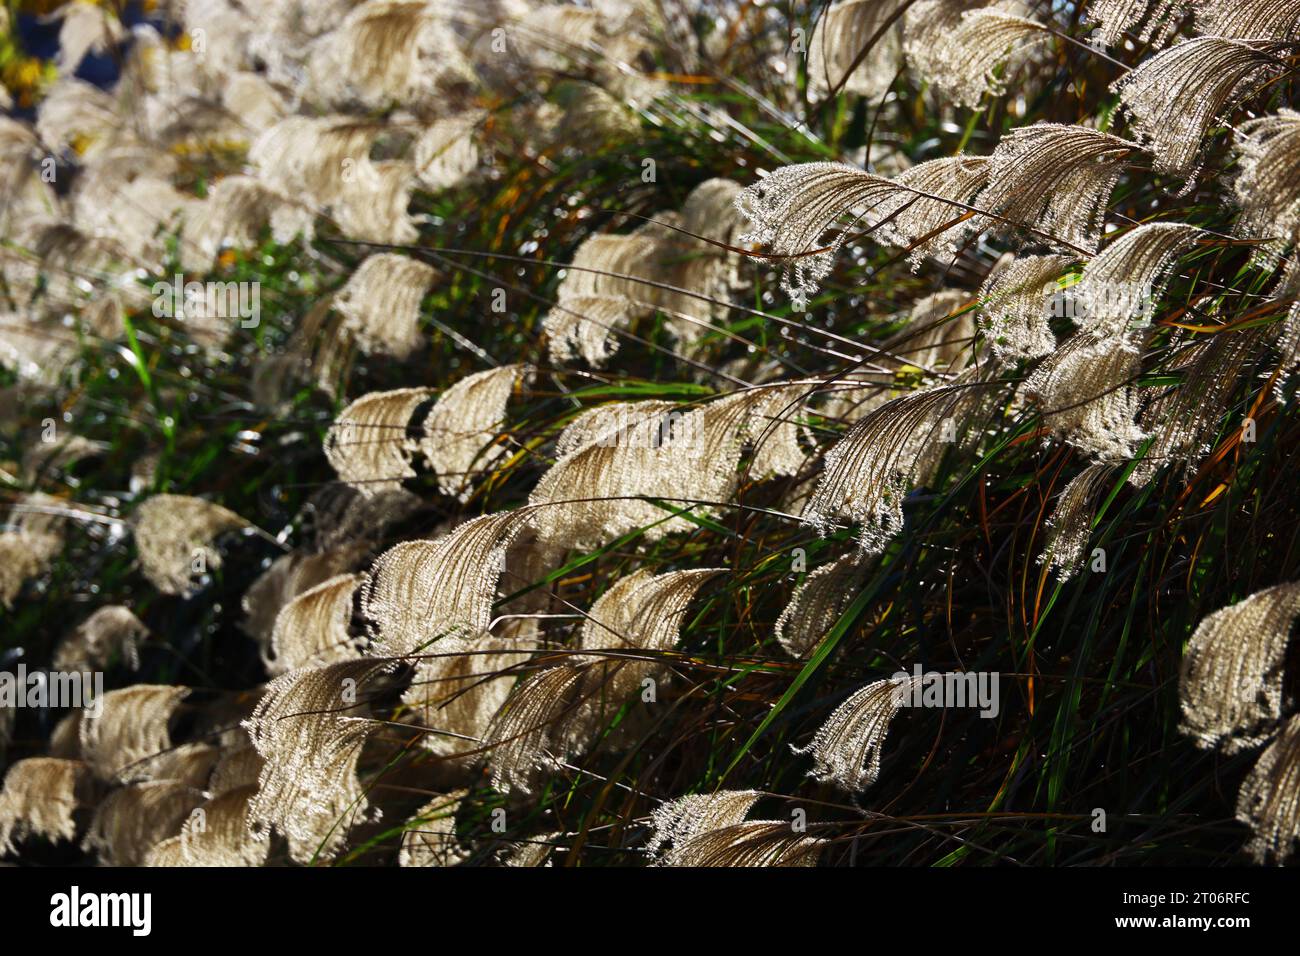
[605, 127]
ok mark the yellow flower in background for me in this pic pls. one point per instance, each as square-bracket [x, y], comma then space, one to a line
[25, 76]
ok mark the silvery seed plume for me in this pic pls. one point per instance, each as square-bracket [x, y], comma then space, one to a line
[233, 214]
[39, 798]
[1150, 21]
[699, 266]
[309, 728]
[85, 28]
[679, 820]
[312, 629]
[19, 147]
[291, 219]
[372, 206]
[290, 40]
[445, 153]
[429, 836]
[1174, 98]
[190, 764]
[220, 836]
[604, 454]
[983, 41]
[639, 612]
[477, 23]
[1055, 179]
[590, 113]
[155, 75]
[173, 531]
[591, 305]
[37, 350]
[710, 210]
[529, 561]
[462, 433]
[1087, 394]
[22, 199]
[616, 69]
[239, 765]
[649, 450]
[1269, 799]
[74, 110]
[842, 31]
[131, 211]
[226, 27]
[28, 545]
[1184, 421]
[534, 726]
[316, 158]
[67, 259]
[321, 79]
[1231, 681]
[1248, 19]
[846, 749]
[418, 591]
[367, 446]
[290, 21]
[397, 52]
[460, 683]
[648, 21]
[1288, 333]
[768, 417]
[132, 820]
[109, 633]
[39, 515]
[65, 738]
[869, 471]
[320, 346]
[1267, 185]
[774, 424]
[927, 25]
[380, 303]
[582, 325]
[709, 829]
[103, 315]
[606, 422]
[1070, 526]
[1016, 306]
[817, 604]
[1122, 284]
[165, 853]
[753, 843]
[794, 207]
[534, 852]
[25, 193]
[550, 36]
[938, 335]
[133, 726]
[257, 103]
[956, 178]
[289, 576]
[187, 122]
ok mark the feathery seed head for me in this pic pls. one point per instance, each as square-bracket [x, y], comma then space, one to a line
[1231, 681]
